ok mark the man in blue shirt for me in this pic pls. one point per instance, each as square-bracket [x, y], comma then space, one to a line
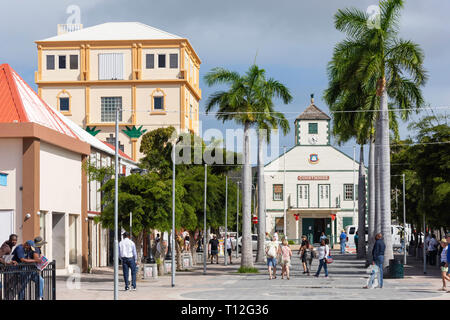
[378, 255]
[343, 238]
[26, 253]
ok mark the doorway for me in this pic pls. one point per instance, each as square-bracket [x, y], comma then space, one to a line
[313, 228]
[6, 224]
[59, 239]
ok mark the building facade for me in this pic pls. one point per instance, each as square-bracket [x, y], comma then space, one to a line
[314, 181]
[151, 74]
[45, 188]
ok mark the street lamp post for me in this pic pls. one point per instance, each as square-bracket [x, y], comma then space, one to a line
[173, 214]
[226, 219]
[205, 248]
[284, 193]
[404, 220]
[237, 221]
[116, 209]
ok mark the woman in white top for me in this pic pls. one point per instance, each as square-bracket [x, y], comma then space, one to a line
[323, 252]
[444, 264]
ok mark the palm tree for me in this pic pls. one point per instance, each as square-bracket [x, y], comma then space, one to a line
[379, 61]
[267, 119]
[240, 104]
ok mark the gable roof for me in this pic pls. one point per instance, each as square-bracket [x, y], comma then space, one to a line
[20, 104]
[313, 113]
[115, 31]
[121, 153]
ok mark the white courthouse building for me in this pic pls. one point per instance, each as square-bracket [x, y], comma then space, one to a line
[319, 183]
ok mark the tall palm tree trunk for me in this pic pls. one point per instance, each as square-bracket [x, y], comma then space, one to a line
[385, 179]
[377, 178]
[247, 254]
[361, 253]
[261, 199]
[371, 233]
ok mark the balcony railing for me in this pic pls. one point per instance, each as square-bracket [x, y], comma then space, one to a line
[65, 28]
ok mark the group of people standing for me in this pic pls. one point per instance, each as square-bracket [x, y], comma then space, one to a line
[282, 252]
[27, 253]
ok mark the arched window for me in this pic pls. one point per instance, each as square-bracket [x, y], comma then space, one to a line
[158, 100]
[64, 100]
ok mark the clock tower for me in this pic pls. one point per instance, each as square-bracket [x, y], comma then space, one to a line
[312, 127]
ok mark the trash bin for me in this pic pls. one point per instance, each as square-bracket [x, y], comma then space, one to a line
[395, 269]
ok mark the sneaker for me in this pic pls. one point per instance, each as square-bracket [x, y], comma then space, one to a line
[134, 289]
[127, 288]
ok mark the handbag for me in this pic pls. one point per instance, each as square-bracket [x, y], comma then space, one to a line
[329, 260]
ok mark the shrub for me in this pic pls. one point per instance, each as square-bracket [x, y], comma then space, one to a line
[247, 270]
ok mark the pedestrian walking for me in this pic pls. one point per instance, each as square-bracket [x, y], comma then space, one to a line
[229, 247]
[306, 252]
[323, 253]
[323, 236]
[187, 246]
[214, 249]
[356, 238]
[432, 250]
[127, 253]
[286, 253]
[271, 254]
[378, 256]
[444, 264]
[343, 240]
[276, 236]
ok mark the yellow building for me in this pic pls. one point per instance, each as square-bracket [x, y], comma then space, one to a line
[151, 74]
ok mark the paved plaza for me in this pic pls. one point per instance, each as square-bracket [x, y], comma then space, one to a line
[346, 278]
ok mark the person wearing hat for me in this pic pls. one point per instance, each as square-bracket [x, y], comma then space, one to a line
[24, 253]
[127, 253]
[444, 264]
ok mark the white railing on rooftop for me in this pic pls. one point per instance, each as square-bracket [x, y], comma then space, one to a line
[65, 28]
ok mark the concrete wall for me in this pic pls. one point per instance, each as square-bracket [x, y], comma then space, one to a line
[156, 72]
[57, 74]
[60, 193]
[322, 129]
[11, 195]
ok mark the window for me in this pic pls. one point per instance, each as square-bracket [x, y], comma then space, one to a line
[62, 62]
[73, 61]
[158, 103]
[64, 104]
[150, 61]
[174, 60]
[348, 192]
[312, 128]
[161, 60]
[3, 179]
[51, 62]
[110, 66]
[277, 192]
[108, 108]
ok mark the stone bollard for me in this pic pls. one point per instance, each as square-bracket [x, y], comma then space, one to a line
[150, 271]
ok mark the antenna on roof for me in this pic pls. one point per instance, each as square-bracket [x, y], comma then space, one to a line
[312, 98]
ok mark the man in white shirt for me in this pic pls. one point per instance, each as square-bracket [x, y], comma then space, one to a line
[127, 253]
[432, 250]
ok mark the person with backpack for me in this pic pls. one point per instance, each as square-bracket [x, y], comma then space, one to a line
[286, 254]
[271, 254]
[324, 252]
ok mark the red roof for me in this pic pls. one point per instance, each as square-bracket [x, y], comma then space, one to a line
[19, 103]
[121, 153]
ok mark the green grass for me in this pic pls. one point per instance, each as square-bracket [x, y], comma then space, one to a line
[247, 270]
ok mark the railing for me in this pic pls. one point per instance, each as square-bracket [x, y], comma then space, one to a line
[65, 28]
[26, 282]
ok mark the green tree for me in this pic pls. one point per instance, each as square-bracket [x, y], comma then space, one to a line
[393, 68]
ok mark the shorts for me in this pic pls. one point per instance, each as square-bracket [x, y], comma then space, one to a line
[229, 252]
[214, 252]
[286, 263]
[272, 262]
[443, 267]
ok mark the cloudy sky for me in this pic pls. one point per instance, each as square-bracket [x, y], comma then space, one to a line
[292, 39]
